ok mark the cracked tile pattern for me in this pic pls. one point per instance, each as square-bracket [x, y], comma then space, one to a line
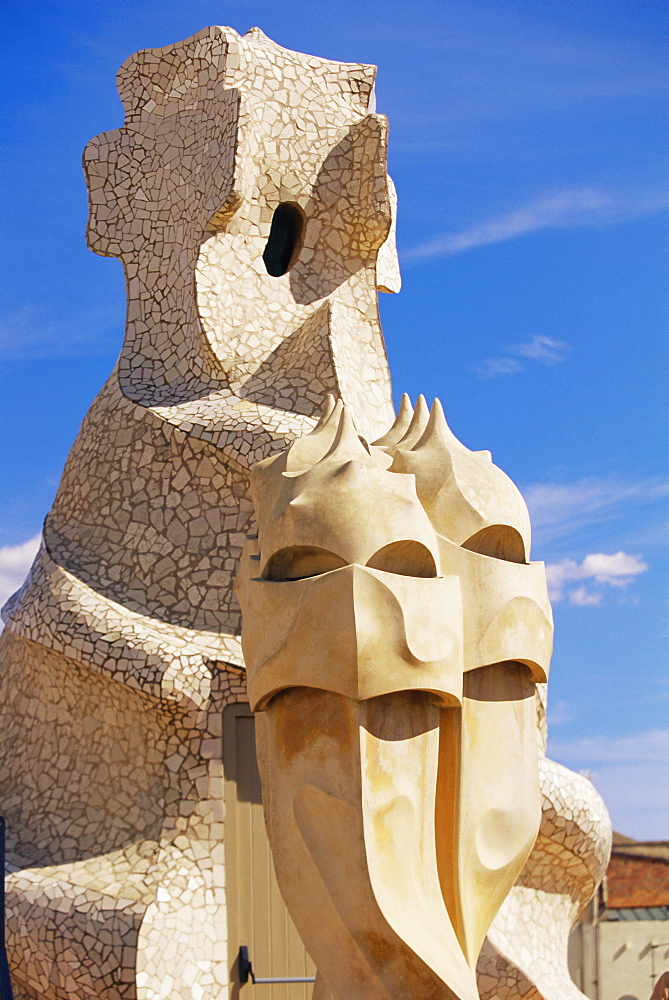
[125, 851]
[525, 954]
[122, 648]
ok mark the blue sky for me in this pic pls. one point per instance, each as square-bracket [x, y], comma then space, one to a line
[527, 146]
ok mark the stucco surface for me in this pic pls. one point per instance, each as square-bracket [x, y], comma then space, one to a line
[123, 646]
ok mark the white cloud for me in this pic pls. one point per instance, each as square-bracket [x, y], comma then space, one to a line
[617, 570]
[630, 773]
[542, 349]
[492, 367]
[584, 598]
[558, 573]
[560, 510]
[557, 209]
[15, 561]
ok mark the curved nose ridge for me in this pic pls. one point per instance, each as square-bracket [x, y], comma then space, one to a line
[408, 607]
[334, 631]
[519, 631]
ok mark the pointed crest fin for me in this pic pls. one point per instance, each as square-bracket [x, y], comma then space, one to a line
[347, 444]
[307, 451]
[326, 409]
[437, 429]
[414, 431]
[399, 428]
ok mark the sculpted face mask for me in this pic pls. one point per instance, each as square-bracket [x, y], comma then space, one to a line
[393, 633]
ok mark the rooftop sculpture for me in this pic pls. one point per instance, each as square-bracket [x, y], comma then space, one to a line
[394, 632]
[392, 653]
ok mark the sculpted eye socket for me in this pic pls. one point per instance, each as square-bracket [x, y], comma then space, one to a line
[297, 562]
[405, 558]
[499, 541]
[286, 236]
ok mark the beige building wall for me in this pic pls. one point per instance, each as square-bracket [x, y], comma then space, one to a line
[619, 959]
[257, 916]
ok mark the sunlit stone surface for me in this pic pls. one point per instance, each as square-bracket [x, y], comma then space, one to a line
[247, 197]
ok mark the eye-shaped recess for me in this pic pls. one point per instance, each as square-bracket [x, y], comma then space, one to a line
[286, 237]
[505, 681]
[405, 558]
[297, 562]
[499, 541]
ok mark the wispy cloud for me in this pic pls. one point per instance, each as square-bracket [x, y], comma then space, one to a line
[493, 367]
[554, 210]
[559, 713]
[616, 570]
[15, 561]
[589, 751]
[627, 771]
[543, 350]
[560, 510]
[30, 334]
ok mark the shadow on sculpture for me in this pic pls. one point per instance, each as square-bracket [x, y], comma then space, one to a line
[396, 728]
[395, 691]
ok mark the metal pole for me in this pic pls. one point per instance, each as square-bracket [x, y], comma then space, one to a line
[653, 946]
[283, 979]
[5, 982]
[246, 972]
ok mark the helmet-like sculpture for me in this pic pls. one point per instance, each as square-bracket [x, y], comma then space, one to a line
[393, 635]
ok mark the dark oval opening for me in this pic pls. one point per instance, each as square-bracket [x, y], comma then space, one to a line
[406, 558]
[285, 239]
[505, 681]
[297, 562]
